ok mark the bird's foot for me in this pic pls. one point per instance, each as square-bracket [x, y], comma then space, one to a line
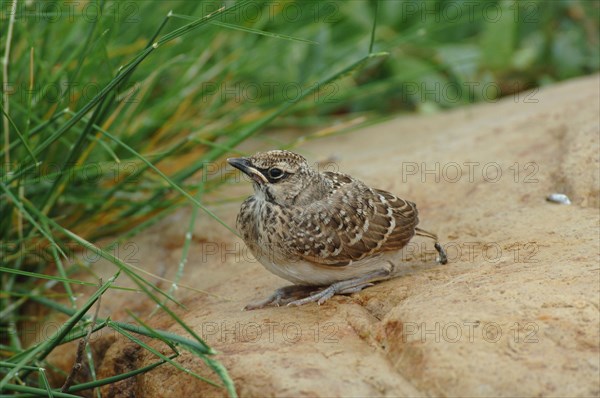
[329, 292]
[296, 295]
[344, 287]
[281, 296]
[442, 258]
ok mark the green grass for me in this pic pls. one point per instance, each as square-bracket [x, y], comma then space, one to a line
[113, 122]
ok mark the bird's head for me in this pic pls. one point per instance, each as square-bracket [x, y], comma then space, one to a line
[282, 177]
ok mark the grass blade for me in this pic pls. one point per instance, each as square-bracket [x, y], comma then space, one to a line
[40, 351]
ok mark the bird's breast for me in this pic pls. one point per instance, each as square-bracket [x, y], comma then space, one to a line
[261, 225]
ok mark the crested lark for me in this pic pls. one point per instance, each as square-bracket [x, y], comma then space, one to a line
[321, 229]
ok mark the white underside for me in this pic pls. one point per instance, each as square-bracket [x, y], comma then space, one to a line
[306, 273]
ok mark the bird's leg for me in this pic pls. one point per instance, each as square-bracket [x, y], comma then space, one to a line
[442, 259]
[281, 296]
[345, 287]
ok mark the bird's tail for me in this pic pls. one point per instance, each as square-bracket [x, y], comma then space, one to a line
[443, 259]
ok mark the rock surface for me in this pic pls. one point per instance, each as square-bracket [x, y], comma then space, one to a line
[514, 313]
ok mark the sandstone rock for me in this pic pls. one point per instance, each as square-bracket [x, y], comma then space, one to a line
[514, 313]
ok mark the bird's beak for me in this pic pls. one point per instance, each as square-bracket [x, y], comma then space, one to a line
[245, 166]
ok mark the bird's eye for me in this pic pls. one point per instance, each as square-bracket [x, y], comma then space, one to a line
[275, 173]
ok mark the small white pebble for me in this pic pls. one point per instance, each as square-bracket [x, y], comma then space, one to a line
[559, 198]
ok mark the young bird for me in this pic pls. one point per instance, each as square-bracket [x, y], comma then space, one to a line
[321, 229]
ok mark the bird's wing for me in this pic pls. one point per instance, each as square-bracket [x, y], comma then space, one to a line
[355, 222]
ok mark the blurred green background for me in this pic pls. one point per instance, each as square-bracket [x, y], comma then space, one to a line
[206, 86]
[90, 106]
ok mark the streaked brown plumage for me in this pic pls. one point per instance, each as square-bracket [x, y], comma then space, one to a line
[321, 229]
